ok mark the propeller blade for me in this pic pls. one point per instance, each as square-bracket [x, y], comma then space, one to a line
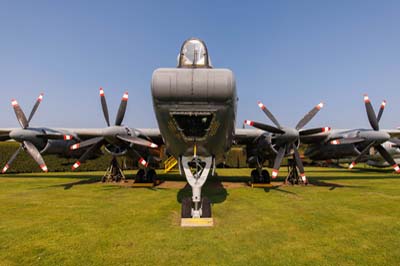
[307, 118]
[362, 153]
[86, 143]
[278, 161]
[264, 127]
[141, 160]
[381, 109]
[104, 106]
[35, 154]
[20, 114]
[86, 154]
[314, 131]
[137, 141]
[388, 158]
[35, 107]
[9, 163]
[299, 163]
[121, 110]
[346, 141]
[371, 113]
[269, 114]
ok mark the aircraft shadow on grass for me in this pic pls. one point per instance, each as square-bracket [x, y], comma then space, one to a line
[213, 190]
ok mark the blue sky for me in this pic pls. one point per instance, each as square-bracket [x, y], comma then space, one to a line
[289, 54]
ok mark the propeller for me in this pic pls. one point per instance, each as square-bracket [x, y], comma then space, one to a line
[25, 136]
[375, 137]
[114, 136]
[286, 138]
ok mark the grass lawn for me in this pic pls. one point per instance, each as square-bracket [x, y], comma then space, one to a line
[345, 218]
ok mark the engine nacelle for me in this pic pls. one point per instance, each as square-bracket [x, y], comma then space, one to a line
[265, 147]
[59, 147]
[326, 152]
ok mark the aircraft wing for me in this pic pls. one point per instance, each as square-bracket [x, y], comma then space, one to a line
[394, 133]
[87, 133]
[4, 133]
[245, 136]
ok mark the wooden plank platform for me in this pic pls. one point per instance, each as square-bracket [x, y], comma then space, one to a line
[260, 185]
[142, 185]
[197, 222]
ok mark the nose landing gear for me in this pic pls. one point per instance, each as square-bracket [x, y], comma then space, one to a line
[196, 211]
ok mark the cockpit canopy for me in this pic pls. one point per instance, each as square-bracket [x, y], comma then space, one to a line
[194, 54]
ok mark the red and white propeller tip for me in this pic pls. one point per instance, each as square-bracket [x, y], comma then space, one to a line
[303, 177]
[320, 105]
[153, 145]
[40, 98]
[366, 98]
[326, 129]
[383, 104]
[44, 168]
[76, 165]
[396, 168]
[75, 146]
[261, 105]
[68, 137]
[335, 142]
[248, 122]
[5, 168]
[352, 165]
[125, 96]
[14, 102]
[274, 173]
[143, 162]
[101, 92]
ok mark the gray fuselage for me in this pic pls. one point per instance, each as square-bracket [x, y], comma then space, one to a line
[195, 107]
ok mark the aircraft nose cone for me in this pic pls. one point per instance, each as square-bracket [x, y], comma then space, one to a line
[17, 135]
[291, 134]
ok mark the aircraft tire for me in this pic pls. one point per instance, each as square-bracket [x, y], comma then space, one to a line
[151, 176]
[265, 176]
[186, 211]
[206, 207]
[255, 178]
[139, 176]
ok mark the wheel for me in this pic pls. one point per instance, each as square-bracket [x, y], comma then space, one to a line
[151, 176]
[186, 211]
[265, 176]
[205, 207]
[255, 177]
[139, 176]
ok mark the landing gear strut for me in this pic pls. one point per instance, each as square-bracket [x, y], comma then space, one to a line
[146, 176]
[196, 170]
[293, 177]
[114, 172]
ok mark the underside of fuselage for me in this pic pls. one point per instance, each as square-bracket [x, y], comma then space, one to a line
[195, 110]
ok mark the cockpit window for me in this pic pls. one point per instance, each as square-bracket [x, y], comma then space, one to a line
[193, 54]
